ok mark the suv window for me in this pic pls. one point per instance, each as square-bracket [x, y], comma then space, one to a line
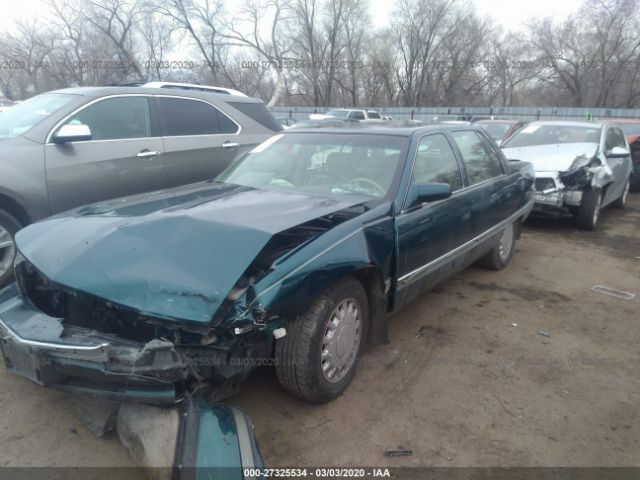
[259, 113]
[481, 161]
[182, 117]
[436, 163]
[373, 114]
[356, 115]
[116, 118]
[614, 138]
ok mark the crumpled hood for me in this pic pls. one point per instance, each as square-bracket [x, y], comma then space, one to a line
[552, 158]
[174, 254]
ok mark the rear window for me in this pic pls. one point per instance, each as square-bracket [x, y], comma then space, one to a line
[259, 113]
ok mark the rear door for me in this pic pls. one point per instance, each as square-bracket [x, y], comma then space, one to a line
[123, 157]
[429, 233]
[493, 194]
[199, 140]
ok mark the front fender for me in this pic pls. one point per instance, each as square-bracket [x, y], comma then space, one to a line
[296, 281]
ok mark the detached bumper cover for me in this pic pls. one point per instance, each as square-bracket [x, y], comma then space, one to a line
[38, 347]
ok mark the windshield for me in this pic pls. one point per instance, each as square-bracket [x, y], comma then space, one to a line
[338, 113]
[630, 128]
[496, 130]
[322, 163]
[553, 134]
[26, 115]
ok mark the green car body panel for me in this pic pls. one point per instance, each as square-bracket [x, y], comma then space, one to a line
[203, 275]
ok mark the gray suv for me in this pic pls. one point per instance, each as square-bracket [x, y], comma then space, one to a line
[76, 146]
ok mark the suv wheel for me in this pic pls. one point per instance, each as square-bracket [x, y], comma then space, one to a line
[8, 228]
[317, 358]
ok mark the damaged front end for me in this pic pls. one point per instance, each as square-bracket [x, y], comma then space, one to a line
[76, 342]
[560, 193]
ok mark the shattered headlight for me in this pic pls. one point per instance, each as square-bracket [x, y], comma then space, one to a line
[581, 176]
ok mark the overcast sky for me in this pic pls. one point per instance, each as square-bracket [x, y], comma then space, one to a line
[509, 13]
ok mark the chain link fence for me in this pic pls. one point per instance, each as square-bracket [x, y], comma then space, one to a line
[468, 113]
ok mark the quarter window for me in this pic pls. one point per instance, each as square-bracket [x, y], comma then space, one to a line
[481, 161]
[116, 118]
[180, 117]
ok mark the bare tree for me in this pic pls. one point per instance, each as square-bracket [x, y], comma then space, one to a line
[274, 47]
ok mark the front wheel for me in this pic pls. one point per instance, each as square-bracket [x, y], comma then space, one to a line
[8, 228]
[588, 212]
[500, 255]
[316, 360]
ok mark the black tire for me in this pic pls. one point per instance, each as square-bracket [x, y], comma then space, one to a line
[299, 354]
[588, 212]
[7, 224]
[500, 255]
[621, 201]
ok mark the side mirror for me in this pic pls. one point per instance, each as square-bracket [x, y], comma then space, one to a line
[72, 133]
[617, 152]
[431, 192]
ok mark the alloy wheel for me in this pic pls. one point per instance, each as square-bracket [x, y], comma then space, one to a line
[506, 242]
[7, 250]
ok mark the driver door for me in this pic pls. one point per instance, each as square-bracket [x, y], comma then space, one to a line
[619, 166]
[429, 233]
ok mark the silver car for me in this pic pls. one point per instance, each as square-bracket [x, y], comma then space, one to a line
[580, 167]
[76, 146]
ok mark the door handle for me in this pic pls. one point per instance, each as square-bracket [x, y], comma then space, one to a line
[230, 145]
[147, 154]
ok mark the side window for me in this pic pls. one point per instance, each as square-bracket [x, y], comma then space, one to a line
[259, 113]
[182, 117]
[356, 115]
[615, 138]
[436, 163]
[481, 161]
[116, 118]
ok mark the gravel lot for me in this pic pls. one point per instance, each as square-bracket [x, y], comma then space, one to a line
[459, 384]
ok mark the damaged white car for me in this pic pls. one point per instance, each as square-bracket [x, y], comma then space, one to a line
[580, 167]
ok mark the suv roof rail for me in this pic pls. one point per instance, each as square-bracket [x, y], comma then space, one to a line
[193, 86]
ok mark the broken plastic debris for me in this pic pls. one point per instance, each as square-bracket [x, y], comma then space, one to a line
[398, 453]
[278, 333]
[544, 333]
[613, 292]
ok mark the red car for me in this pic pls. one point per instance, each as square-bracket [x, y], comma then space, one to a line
[631, 129]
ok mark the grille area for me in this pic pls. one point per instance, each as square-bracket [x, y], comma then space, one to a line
[83, 310]
[542, 184]
[91, 313]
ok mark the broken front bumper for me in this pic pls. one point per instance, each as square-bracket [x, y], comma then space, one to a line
[38, 347]
[552, 194]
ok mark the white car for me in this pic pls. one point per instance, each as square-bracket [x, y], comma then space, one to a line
[349, 114]
[580, 167]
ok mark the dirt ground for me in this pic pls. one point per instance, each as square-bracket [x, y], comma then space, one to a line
[467, 380]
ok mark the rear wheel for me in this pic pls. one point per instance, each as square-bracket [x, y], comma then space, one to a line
[621, 201]
[588, 212]
[316, 360]
[8, 228]
[500, 255]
